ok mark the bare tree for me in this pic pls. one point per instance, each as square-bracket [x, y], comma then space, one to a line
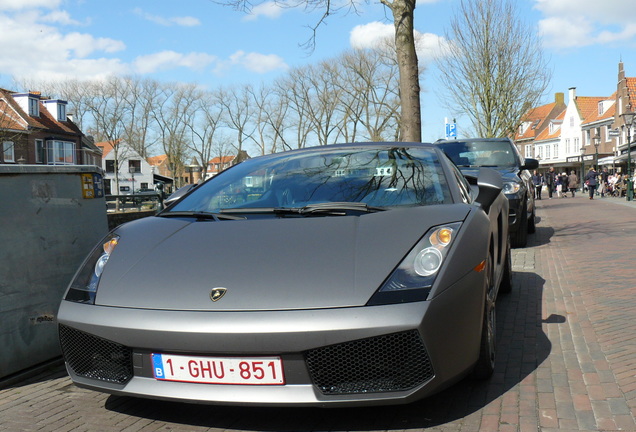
[141, 97]
[494, 70]
[109, 111]
[238, 112]
[403, 14]
[176, 109]
[205, 139]
[369, 98]
[291, 90]
[323, 95]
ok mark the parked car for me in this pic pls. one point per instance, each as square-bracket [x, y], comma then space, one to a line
[173, 197]
[501, 154]
[336, 275]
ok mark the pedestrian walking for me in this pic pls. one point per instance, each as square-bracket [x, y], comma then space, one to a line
[537, 180]
[550, 180]
[590, 181]
[603, 182]
[563, 177]
[573, 183]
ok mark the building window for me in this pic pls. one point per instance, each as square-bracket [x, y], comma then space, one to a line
[556, 150]
[40, 151]
[8, 151]
[60, 153]
[547, 152]
[61, 112]
[110, 166]
[34, 107]
[134, 166]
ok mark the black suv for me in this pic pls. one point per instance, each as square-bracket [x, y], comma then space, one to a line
[502, 155]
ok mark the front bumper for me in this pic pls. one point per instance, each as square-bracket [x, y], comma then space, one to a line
[350, 356]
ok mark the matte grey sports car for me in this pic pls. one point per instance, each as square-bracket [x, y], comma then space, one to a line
[337, 275]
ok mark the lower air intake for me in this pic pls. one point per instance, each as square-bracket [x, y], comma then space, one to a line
[93, 357]
[392, 362]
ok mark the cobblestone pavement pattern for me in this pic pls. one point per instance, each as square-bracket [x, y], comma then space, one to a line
[566, 354]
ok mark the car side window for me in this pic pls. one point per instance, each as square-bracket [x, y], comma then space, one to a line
[464, 186]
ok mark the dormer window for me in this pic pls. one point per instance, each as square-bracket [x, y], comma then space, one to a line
[600, 108]
[57, 108]
[34, 107]
[61, 112]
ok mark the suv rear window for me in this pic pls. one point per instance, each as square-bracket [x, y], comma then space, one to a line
[480, 153]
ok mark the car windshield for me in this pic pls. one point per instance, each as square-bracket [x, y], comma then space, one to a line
[480, 153]
[375, 176]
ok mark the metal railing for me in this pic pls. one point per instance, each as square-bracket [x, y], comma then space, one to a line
[134, 202]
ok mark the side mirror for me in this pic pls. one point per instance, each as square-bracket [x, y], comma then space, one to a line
[530, 164]
[490, 185]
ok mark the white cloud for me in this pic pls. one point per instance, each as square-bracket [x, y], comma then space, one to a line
[578, 23]
[268, 10]
[28, 4]
[166, 60]
[259, 63]
[32, 47]
[370, 35]
[375, 34]
[186, 21]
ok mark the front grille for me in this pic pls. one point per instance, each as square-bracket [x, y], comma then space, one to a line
[392, 362]
[93, 357]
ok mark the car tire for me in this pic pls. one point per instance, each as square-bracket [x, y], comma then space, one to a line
[485, 365]
[506, 279]
[520, 239]
[532, 227]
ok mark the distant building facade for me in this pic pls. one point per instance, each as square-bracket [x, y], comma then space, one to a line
[38, 130]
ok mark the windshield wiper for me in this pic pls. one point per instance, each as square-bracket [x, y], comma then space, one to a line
[328, 208]
[199, 215]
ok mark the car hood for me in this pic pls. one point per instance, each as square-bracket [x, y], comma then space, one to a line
[264, 264]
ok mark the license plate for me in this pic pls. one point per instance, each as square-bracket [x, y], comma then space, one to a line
[219, 370]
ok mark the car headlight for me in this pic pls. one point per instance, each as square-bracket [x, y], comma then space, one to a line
[413, 278]
[83, 287]
[511, 187]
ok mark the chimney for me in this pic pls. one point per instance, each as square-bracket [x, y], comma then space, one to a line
[559, 98]
[572, 94]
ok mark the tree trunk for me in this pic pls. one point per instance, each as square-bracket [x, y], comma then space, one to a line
[411, 121]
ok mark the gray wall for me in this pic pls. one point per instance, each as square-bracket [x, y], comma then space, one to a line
[48, 224]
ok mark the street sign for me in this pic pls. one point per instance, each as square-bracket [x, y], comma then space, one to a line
[451, 130]
[613, 132]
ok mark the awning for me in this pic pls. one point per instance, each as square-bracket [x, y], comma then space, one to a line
[623, 157]
[609, 160]
[159, 178]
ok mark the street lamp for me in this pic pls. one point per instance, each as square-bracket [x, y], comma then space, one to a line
[582, 149]
[628, 119]
[597, 142]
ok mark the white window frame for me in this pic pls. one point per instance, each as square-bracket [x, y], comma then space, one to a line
[60, 152]
[40, 151]
[8, 151]
[34, 107]
[61, 112]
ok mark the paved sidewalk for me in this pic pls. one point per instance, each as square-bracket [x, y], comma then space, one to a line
[566, 354]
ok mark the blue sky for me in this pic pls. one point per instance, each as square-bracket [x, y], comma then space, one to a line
[203, 42]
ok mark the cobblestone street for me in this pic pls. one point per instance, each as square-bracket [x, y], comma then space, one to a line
[566, 354]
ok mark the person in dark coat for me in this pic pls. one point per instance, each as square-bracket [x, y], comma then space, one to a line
[590, 181]
[537, 181]
[550, 181]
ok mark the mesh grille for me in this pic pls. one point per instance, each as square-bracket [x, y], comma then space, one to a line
[390, 362]
[93, 357]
